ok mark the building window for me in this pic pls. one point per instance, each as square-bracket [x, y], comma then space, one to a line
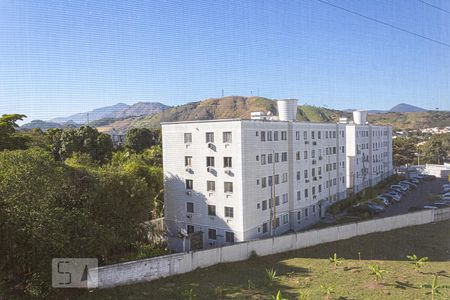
[227, 162]
[228, 187]
[269, 181]
[227, 137]
[283, 135]
[264, 204]
[269, 135]
[263, 182]
[277, 157]
[285, 218]
[313, 209]
[306, 193]
[277, 179]
[212, 234]
[305, 174]
[189, 184]
[210, 186]
[263, 159]
[284, 156]
[187, 138]
[277, 222]
[229, 237]
[263, 136]
[211, 210]
[257, 157]
[265, 227]
[285, 177]
[269, 158]
[299, 215]
[275, 135]
[210, 161]
[277, 200]
[297, 155]
[312, 134]
[284, 198]
[299, 195]
[297, 135]
[319, 134]
[305, 135]
[305, 154]
[189, 207]
[306, 212]
[188, 161]
[190, 229]
[210, 137]
[298, 175]
[229, 212]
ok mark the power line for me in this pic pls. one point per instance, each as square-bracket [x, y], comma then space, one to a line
[434, 6]
[384, 23]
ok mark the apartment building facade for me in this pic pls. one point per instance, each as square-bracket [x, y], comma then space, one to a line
[369, 153]
[235, 180]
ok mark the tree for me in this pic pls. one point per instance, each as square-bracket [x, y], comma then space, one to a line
[139, 139]
[404, 149]
[83, 140]
[8, 125]
[435, 151]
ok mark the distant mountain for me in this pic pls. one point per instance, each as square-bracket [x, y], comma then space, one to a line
[141, 109]
[44, 125]
[221, 108]
[99, 113]
[405, 108]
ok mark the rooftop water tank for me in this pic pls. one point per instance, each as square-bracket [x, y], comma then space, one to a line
[360, 117]
[287, 109]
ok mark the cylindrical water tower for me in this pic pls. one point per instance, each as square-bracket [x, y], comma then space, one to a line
[287, 109]
[360, 117]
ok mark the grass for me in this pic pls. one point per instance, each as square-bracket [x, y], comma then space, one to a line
[309, 272]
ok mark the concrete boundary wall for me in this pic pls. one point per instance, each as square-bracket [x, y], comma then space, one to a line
[163, 266]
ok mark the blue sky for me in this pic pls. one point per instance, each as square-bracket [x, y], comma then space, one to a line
[64, 57]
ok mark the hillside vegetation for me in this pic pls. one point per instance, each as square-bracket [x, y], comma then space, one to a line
[412, 120]
[223, 108]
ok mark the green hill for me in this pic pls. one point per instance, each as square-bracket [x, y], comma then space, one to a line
[223, 108]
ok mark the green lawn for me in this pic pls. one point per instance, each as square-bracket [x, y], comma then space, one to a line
[307, 269]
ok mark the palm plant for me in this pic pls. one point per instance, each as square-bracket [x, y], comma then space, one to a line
[335, 260]
[434, 287]
[304, 295]
[189, 294]
[278, 296]
[271, 275]
[377, 272]
[327, 290]
[417, 262]
[219, 292]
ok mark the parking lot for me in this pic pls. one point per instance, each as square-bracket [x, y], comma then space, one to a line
[416, 198]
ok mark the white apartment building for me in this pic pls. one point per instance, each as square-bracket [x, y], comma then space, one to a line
[228, 181]
[369, 153]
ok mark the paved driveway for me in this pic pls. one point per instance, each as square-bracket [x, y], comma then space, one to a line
[415, 198]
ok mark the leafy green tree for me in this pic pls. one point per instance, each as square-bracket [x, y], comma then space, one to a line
[65, 142]
[8, 126]
[404, 149]
[139, 139]
[435, 151]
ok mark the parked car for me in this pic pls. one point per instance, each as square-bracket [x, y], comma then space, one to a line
[430, 207]
[441, 204]
[445, 197]
[384, 200]
[375, 207]
[397, 191]
[392, 198]
[399, 187]
[415, 180]
[410, 184]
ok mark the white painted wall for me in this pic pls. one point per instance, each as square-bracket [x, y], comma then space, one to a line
[163, 266]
